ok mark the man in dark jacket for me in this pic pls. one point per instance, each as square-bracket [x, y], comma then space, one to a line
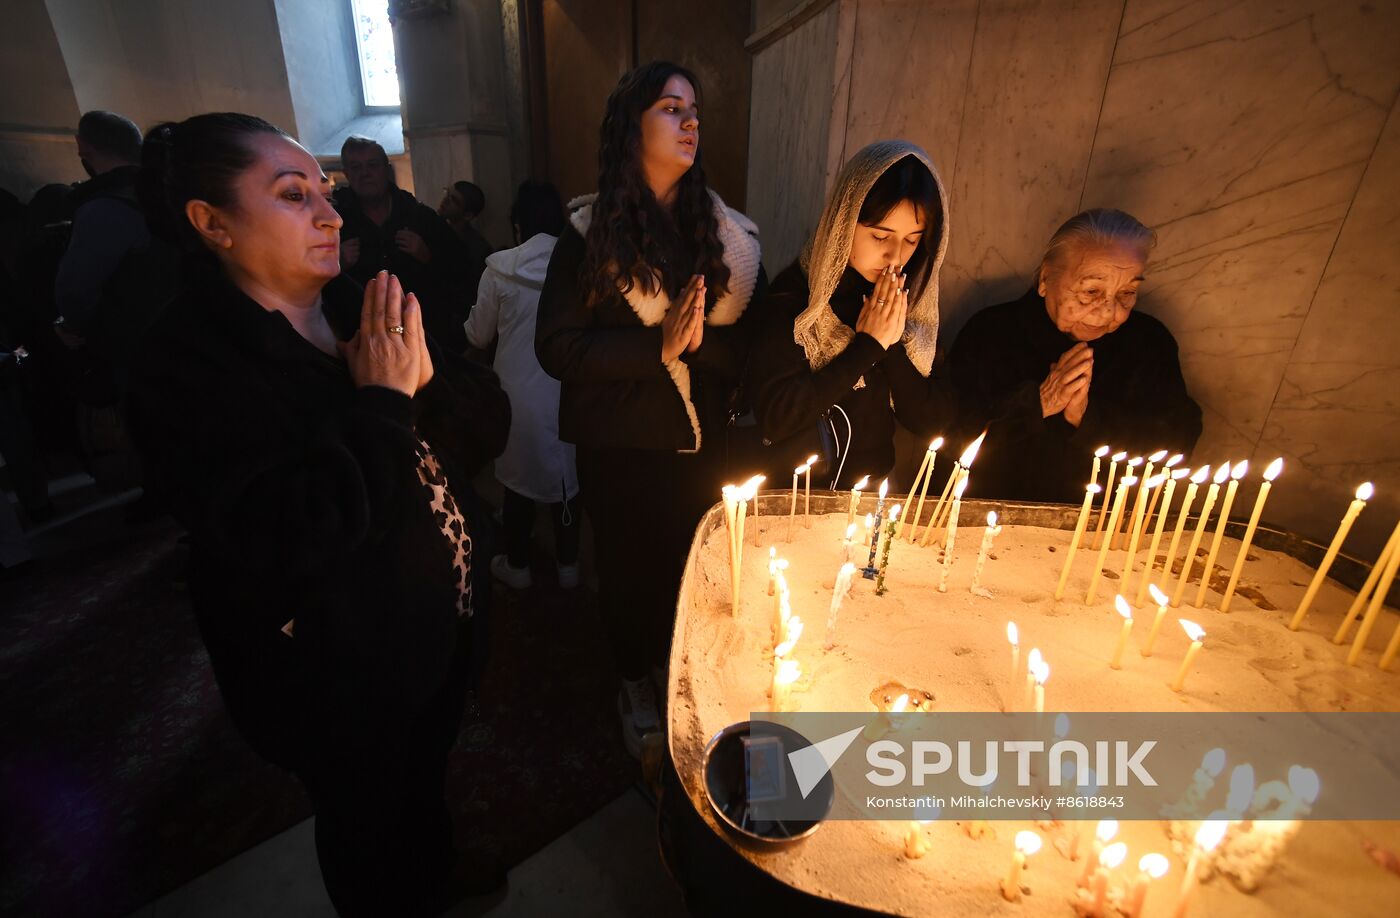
[388, 229]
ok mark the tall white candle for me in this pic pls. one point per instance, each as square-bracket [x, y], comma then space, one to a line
[1373, 611]
[925, 473]
[1189, 561]
[1107, 496]
[952, 534]
[1363, 494]
[1150, 867]
[1169, 471]
[1157, 533]
[751, 488]
[1079, 525]
[1270, 474]
[855, 499]
[1207, 837]
[807, 498]
[988, 535]
[1161, 600]
[1392, 545]
[1134, 464]
[1197, 635]
[1235, 475]
[792, 512]
[1135, 530]
[1027, 843]
[1127, 482]
[1121, 605]
[838, 594]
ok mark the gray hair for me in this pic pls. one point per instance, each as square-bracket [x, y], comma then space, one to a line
[1100, 227]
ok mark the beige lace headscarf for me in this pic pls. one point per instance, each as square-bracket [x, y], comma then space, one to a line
[824, 259]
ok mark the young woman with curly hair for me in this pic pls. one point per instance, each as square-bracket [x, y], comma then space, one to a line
[644, 320]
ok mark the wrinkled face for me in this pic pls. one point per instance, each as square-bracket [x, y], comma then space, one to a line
[281, 230]
[451, 207]
[1095, 292]
[367, 171]
[671, 132]
[892, 240]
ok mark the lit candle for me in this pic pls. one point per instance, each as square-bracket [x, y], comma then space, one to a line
[1079, 525]
[807, 497]
[1235, 475]
[1363, 494]
[1190, 560]
[772, 569]
[751, 488]
[1150, 867]
[1107, 492]
[1197, 634]
[792, 512]
[731, 524]
[1094, 472]
[1270, 474]
[1103, 834]
[1027, 843]
[869, 572]
[838, 594]
[987, 536]
[846, 545]
[1197, 479]
[1207, 837]
[792, 630]
[1114, 532]
[1161, 600]
[785, 673]
[915, 844]
[926, 474]
[961, 469]
[782, 605]
[1127, 482]
[1014, 638]
[1135, 530]
[953, 477]
[1161, 527]
[1042, 673]
[885, 554]
[1373, 611]
[952, 534]
[1391, 546]
[1169, 471]
[1145, 488]
[855, 499]
[1033, 662]
[1121, 605]
[1109, 859]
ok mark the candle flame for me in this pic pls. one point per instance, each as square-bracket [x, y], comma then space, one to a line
[1154, 865]
[895, 512]
[1107, 828]
[1158, 596]
[1027, 842]
[811, 460]
[1193, 631]
[1214, 762]
[800, 469]
[1210, 833]
[969, 454]
[884, 488]
[1241, 788]
[1121, 605]
[959, 488]
[900, 704]
[1118, 456]
[1033, 660]
[1174, 460]
[1127, 481]
[1042, 672]
[936, 445]
[1157, 456]
[1101, 451]
[869, 520]
[1154, 481]
[850, 532]
[848, 568]
[1012, 634]
[992, 519]
[1365, 491]
[1178, 474]
[772, 553]
[1201, 475]
[729, 491]
[1134, 462]
[752, 484]
[1240, 468]
[789, 671]
[860, 485]
[1093, 488]
[1304, 783]
[1113, 855]
[1274, 468]
[1222, 473]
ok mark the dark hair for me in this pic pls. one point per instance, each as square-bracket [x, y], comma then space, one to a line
[537, 209]
[630, 234]
[473, 198]
[199, 158]
[908, 180]
[112, 134]
[359, 142]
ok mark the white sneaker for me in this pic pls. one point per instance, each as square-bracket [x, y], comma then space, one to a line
[517, 578]
[636, 705]
[568, 576]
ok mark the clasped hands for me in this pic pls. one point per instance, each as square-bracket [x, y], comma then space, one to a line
[885, 309]
[389, 349]
[1066, 388]
[683, 329]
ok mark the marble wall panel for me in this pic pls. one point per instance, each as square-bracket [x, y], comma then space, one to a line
[790, 119]
[1241, 133]
[1337, 415]
[1023, 149]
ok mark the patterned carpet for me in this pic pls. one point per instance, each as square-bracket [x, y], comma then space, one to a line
[121, 777]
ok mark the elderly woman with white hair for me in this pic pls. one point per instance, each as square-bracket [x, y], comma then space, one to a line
[849, 330]
[1072, 366]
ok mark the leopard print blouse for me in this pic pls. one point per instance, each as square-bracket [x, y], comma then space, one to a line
[449, 518]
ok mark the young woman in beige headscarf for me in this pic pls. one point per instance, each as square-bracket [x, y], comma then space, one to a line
[849, 330]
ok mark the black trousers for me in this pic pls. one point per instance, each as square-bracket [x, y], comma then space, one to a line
[644, 505]
[518, 521]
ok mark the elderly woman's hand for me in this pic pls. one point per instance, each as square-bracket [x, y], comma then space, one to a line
[882, 317]
[390, 349]
[1066, 389]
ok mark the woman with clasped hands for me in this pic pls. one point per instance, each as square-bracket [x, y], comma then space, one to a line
[309, 436]
[1071, 366]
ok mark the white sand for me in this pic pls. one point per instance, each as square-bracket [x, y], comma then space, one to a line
[954, 644]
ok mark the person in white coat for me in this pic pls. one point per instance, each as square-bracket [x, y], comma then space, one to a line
[536, 467]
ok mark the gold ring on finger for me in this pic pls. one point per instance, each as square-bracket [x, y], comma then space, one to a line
[880, 301]
[396, 329]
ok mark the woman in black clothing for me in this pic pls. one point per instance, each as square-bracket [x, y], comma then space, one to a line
[849, 330]
[1072, 366]
[643, 319]
[309, 436]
